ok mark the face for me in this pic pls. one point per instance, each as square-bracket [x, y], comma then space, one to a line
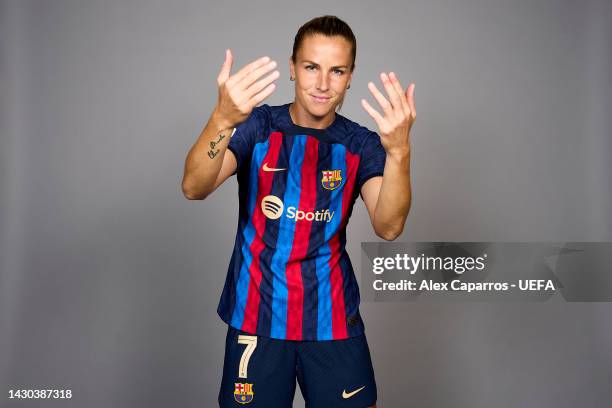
[322, 74]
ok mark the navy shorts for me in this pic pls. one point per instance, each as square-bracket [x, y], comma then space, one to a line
[262, 372]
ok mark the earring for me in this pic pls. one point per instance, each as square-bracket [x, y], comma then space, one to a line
[291, 79]
[349, 86]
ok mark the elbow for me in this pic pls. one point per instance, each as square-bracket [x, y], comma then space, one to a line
[390, 235]
[190, 194]
[193, 197]
[391, 231]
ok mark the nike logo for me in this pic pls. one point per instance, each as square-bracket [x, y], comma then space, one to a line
[346, 395]
[266, 168]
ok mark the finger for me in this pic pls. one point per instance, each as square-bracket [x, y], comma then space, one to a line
[382, 101]
[410, 95]
[391, 92]
[261, 84]
[251, 77]
[373, 113]
[226, 67]
[400, 91]
[238, 76]
[258, 98]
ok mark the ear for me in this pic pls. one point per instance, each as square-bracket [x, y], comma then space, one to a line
[350, 78]
[291, 68]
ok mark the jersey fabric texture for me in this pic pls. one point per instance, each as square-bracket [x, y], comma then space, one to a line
[290, 276]
[261, 372]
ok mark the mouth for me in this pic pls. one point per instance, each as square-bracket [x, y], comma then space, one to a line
[320, 99]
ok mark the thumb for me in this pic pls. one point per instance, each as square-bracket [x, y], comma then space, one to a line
[408, 90]
[226, 67]
[410, 98]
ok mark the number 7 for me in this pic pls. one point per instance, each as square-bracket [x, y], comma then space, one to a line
[251, 343]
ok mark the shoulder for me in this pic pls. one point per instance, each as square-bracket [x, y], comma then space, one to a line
[270, 116]
[257, 122]
[355, 128]
[262, 112]
[359, 135]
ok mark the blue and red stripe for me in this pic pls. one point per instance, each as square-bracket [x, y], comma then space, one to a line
[282, 260]
[339, 276]
[286, 230]
[301, 240]
[266, 152]
[324, 269]
[244, 279]
[270, 283]
[310, 265]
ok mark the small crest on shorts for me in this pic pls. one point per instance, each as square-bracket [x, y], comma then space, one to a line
[332, 179]
[243, 393]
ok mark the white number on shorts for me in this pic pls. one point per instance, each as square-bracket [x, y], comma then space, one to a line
[251, 343]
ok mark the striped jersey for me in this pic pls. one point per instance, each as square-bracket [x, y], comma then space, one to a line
[290, 276]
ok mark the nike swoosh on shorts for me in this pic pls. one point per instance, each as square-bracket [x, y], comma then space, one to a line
[346, 395]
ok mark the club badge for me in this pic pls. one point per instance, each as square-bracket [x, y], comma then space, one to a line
[243, 393]
[332, 179]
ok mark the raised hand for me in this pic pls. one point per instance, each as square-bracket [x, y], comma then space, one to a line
[399, 113]
[241, 92]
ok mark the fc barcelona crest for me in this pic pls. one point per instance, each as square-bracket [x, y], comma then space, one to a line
[331, 179]
[243, 393]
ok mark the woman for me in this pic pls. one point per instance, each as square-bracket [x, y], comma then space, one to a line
[291, 298]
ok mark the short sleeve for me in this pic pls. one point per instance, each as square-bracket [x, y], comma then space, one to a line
[372, 159]
[243, 140]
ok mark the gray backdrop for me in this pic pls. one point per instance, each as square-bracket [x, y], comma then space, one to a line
[110, 278]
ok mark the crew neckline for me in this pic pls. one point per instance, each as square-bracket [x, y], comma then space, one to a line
[309, 130]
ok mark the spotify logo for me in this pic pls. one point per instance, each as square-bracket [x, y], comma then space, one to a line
[272, 207]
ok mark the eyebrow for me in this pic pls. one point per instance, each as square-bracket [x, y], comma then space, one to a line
[314, 63]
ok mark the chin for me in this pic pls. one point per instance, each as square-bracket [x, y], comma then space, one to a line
[321, 110]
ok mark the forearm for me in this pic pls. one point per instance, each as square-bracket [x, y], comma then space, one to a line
[394, 198]
[205, 158]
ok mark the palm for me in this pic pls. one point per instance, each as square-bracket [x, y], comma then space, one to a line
[399, 111]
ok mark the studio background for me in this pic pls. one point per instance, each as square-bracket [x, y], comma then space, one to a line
[110, 278]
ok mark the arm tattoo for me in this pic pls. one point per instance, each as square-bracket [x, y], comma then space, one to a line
[212, 152]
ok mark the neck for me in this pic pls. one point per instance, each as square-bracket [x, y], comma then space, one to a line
[302, 118]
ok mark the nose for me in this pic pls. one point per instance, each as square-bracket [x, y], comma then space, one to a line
[322, 81]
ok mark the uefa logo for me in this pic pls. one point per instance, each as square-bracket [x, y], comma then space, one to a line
[272, 207]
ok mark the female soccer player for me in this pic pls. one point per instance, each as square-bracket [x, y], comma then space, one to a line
[291, 299]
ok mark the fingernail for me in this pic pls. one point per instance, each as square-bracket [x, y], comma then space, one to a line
[266, 59]
[273, 64]
[392, 74]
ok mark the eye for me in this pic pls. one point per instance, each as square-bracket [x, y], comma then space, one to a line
[338, 72]
[310, 67]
